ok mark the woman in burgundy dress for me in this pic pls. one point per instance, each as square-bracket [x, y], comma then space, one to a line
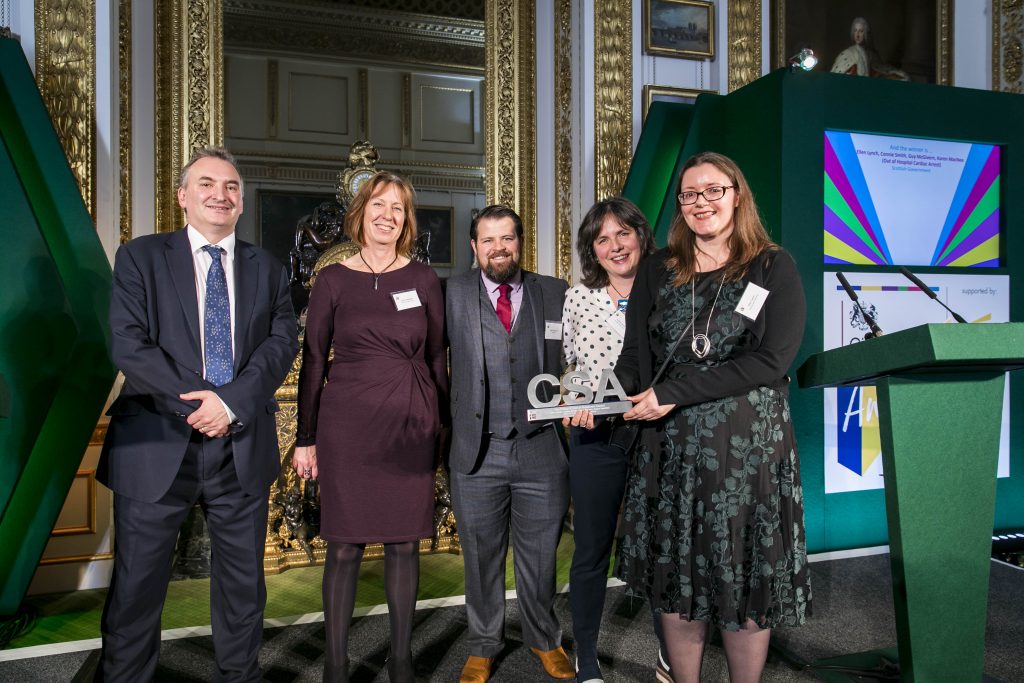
[368, 435]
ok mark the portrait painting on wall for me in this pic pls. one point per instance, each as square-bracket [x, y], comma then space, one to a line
[437, 222]
[679, 28]
[904, 40]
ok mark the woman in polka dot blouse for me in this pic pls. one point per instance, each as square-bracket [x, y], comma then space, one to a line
[612, 239]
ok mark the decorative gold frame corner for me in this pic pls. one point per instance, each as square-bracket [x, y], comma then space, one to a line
[124, 111]
[563, 140]
[66, 76]
[651, 91]
[189, 93]
[510, 114]
[613, 97]
[1007, 49]
[744, 42]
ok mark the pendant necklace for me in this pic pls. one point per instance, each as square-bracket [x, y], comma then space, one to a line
[622, 301]
[376, 276]
[701, 344]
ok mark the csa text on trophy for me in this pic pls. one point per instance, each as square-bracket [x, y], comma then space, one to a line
[578, 396]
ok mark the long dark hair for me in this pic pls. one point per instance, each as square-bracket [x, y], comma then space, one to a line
[629, 216]
[747, 241]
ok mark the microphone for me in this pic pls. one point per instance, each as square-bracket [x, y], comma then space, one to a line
[876, 331]
[931, 295]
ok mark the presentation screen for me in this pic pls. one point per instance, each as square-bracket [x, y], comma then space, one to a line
[910, 201]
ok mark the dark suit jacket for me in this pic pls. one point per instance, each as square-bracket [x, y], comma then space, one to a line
[154, 321]
[468, 393]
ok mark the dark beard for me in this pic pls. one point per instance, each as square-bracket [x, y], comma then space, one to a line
[501, 275]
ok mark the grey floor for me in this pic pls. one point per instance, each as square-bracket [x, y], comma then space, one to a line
[852, 613]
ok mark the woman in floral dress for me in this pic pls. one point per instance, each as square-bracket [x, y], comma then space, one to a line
[713, 523]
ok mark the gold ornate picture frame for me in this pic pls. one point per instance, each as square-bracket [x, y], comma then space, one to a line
[657, 93]
[679, 28]
[914, 37]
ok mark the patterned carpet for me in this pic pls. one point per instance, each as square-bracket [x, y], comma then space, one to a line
[852, 613]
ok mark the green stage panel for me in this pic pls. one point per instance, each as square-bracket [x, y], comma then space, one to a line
[774, 128]
[54, 355]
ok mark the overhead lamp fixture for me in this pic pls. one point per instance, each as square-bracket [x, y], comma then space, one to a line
[804, 60]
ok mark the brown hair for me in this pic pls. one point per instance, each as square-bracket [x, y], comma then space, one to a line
[747, 241]
[629, 216]
[355, 210]
[497, 212]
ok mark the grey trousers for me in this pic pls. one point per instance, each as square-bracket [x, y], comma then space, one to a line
[521, 485]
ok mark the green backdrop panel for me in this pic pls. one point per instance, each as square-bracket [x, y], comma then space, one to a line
[53, 307]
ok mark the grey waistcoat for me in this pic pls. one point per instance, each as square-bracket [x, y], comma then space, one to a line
[511, 362]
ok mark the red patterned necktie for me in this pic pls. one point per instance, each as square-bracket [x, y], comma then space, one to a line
[504, 307]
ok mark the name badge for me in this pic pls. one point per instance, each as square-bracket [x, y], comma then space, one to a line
[553, 329]
[406, 299]
[617, 323]
[752, 300]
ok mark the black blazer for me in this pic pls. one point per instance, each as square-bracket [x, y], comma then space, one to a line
[761, 357]
[154, 322]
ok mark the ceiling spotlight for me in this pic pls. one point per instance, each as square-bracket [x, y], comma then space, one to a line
[804, 59]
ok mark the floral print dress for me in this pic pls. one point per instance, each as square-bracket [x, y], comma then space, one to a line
[713, 519]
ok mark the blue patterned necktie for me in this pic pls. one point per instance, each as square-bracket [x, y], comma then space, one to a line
[217, 322]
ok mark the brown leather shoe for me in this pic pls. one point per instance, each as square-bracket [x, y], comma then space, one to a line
[476, 670]
[556, 662]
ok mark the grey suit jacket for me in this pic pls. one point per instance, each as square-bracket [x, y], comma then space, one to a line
[154, 321]
[468, 391]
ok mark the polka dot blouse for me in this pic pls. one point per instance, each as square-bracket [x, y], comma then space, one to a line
[591, 339]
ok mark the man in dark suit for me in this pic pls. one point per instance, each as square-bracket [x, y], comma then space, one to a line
[504, 326]
[204, 331]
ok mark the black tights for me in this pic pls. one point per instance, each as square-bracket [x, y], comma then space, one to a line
[401, 580]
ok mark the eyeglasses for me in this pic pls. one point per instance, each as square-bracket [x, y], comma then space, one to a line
[711, 194]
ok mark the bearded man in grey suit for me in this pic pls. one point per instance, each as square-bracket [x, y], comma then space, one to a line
[507, 474]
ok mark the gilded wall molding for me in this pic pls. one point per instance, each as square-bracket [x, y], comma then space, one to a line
[71, 559]
[613, 96]
[563, 139]
[342, 30]
[944, 41]
[124, 116]
[510, 114]
[90, 508]
[744, 42]
[66, 75]
[189, 93]
[1007, 48]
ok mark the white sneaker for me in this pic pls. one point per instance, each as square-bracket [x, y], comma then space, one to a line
[661, 670]
[589, 680]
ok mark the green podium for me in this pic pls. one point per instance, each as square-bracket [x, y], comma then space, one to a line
[940, 393]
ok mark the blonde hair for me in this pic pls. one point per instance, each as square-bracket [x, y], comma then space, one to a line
[354, 212]
[748, 239]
